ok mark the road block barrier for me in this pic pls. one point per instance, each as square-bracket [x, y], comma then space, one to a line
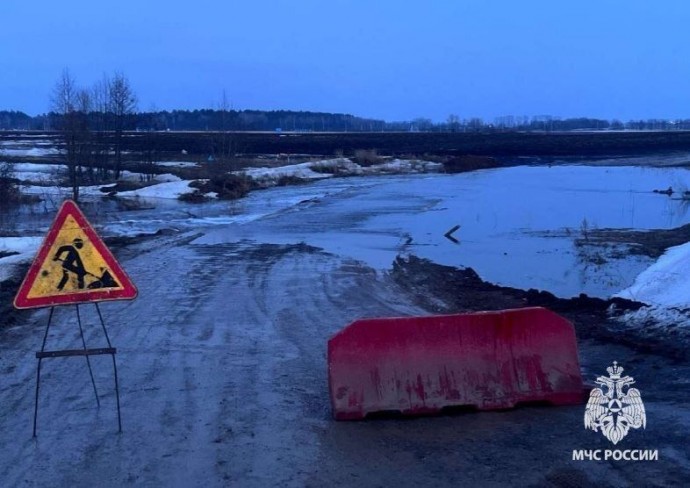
[421, 365]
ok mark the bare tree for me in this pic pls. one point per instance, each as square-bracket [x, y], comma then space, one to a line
[9, 187]
[122, 104]
[85, 147]
[453, 122]
[100, 96]
[225, 142]
[64, 102]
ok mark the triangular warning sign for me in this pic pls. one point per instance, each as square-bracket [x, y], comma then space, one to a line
[73, 265]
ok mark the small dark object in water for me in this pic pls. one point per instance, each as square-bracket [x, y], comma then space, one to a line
[668, 191]
[449, 235]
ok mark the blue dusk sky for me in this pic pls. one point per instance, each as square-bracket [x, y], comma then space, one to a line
[394, 60]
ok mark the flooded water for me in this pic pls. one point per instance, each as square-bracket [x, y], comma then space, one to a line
[517, 225]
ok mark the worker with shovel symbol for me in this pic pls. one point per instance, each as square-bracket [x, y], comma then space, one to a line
[71, 264]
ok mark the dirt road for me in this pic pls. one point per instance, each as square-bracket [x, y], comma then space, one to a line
[223, 383]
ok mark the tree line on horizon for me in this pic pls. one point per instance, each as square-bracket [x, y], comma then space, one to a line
[91, 122]
[209, 120]
[220, 119]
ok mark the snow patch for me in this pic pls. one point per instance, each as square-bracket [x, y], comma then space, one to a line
[302, 170]
[138, 177]
[655, 318]
[19, 168]
[666, 283]
[39, 173]
[26, 247]
[177, 164]
[35, 152]
[60, 191]
[37, 177]
[665, 287]
[169, 190]
[328, 168]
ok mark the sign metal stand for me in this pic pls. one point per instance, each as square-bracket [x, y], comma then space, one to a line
[42, 354]
[74, 266]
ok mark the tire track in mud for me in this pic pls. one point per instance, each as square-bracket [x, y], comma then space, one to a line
[135, 328]
[222, 365]
[291, 304]
[222, 370]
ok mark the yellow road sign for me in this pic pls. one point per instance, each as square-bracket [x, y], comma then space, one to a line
[73, 265]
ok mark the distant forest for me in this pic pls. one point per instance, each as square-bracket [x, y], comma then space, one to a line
[286, 120]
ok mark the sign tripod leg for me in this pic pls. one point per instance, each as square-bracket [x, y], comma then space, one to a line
[38, 371]
[117, 387]
[88, 361]
[78, 352]
[70, 248]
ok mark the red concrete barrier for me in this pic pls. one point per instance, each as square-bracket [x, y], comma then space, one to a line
[419, 365]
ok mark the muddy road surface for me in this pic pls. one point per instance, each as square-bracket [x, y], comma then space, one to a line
[223, 380]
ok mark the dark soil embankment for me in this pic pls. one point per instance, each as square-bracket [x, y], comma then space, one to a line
[652, 243]
[444, 289]
[497, 144]
[446, 144]
[10, 316]
[462, 164]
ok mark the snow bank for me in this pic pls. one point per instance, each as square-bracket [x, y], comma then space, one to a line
[397, 166]
[328, 168]
[666, 283]
[302, 170]
[26, 247]
[665, 287]
[169, 186]
[177, 164]
[170, 190]
[137, 177]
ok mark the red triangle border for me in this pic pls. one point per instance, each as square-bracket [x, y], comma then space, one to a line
[128, 291]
